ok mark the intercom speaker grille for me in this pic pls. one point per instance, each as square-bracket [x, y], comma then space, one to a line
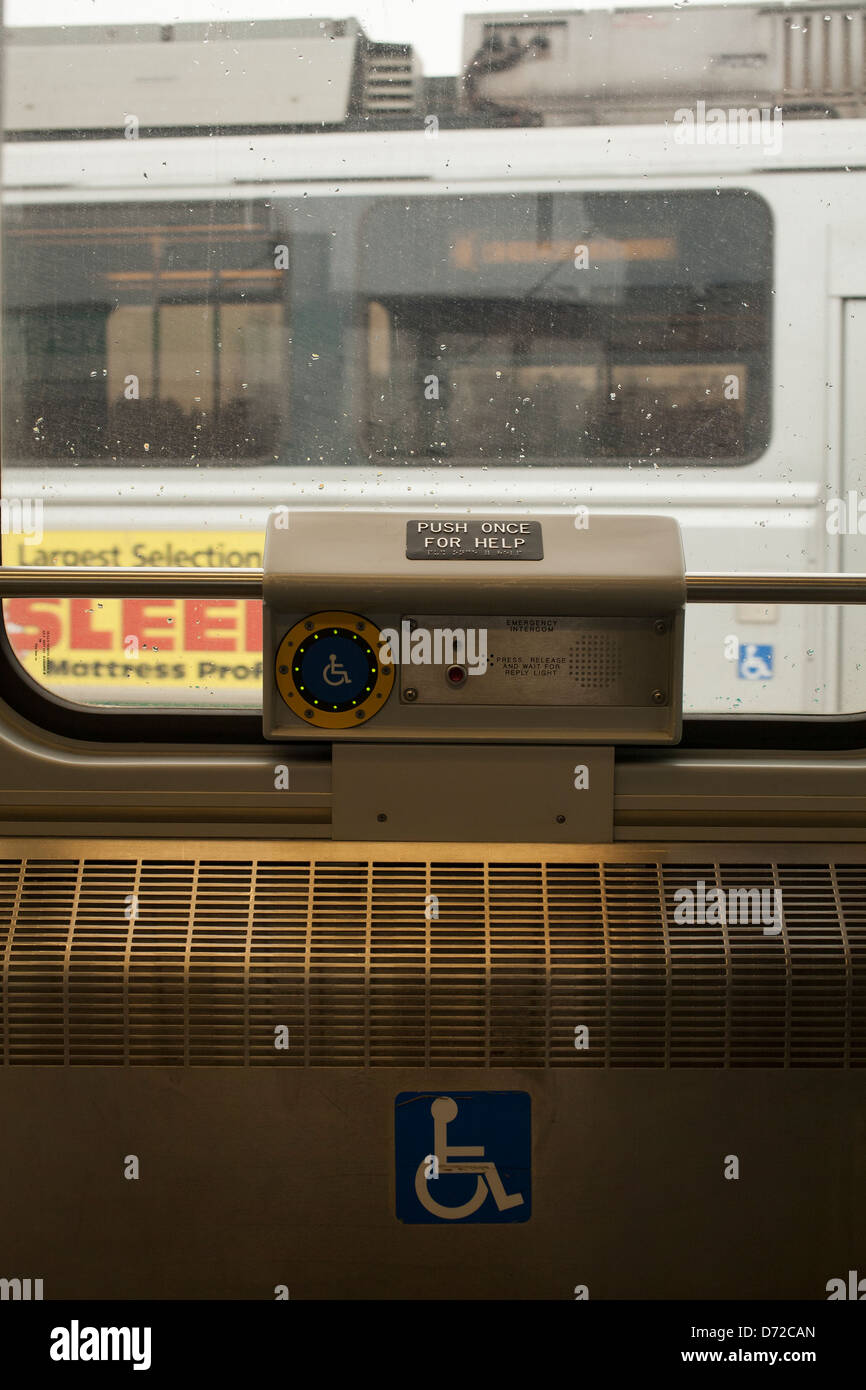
[423, 962]
[595, 662]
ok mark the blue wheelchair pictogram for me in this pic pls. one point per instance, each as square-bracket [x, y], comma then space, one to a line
[463, 1156]
[756, 662]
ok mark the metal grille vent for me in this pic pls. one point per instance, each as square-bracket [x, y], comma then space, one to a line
[160, 962]
[390, 81]
[824, 54]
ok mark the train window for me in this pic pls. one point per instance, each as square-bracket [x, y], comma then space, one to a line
[305, 271]
[143, 332]
[628, 328]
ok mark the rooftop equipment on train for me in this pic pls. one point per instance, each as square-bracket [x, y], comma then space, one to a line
[555, 68]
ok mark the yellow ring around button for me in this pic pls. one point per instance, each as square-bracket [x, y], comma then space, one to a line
[301, 705]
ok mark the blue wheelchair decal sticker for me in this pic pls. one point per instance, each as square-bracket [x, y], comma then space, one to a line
[756, 662]
[463, 1156]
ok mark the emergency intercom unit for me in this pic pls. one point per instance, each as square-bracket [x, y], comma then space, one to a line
[482, 628]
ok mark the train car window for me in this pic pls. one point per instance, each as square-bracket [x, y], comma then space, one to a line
[138, 333]
[304, 270]
[569, 328]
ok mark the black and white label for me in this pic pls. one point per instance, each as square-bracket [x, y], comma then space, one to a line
[474, 540]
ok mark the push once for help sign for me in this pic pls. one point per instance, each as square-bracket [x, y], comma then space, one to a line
[147, 651]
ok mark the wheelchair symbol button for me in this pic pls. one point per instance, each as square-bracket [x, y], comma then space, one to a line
[334, 673]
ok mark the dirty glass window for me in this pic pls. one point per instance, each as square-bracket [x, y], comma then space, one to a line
[141, 332]
[569, 328]
[490, 259]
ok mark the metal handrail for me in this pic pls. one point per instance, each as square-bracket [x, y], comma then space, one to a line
[774, 588]
[32, 581]
[80, 581]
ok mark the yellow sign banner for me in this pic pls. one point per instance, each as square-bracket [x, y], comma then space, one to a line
[111, 649]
